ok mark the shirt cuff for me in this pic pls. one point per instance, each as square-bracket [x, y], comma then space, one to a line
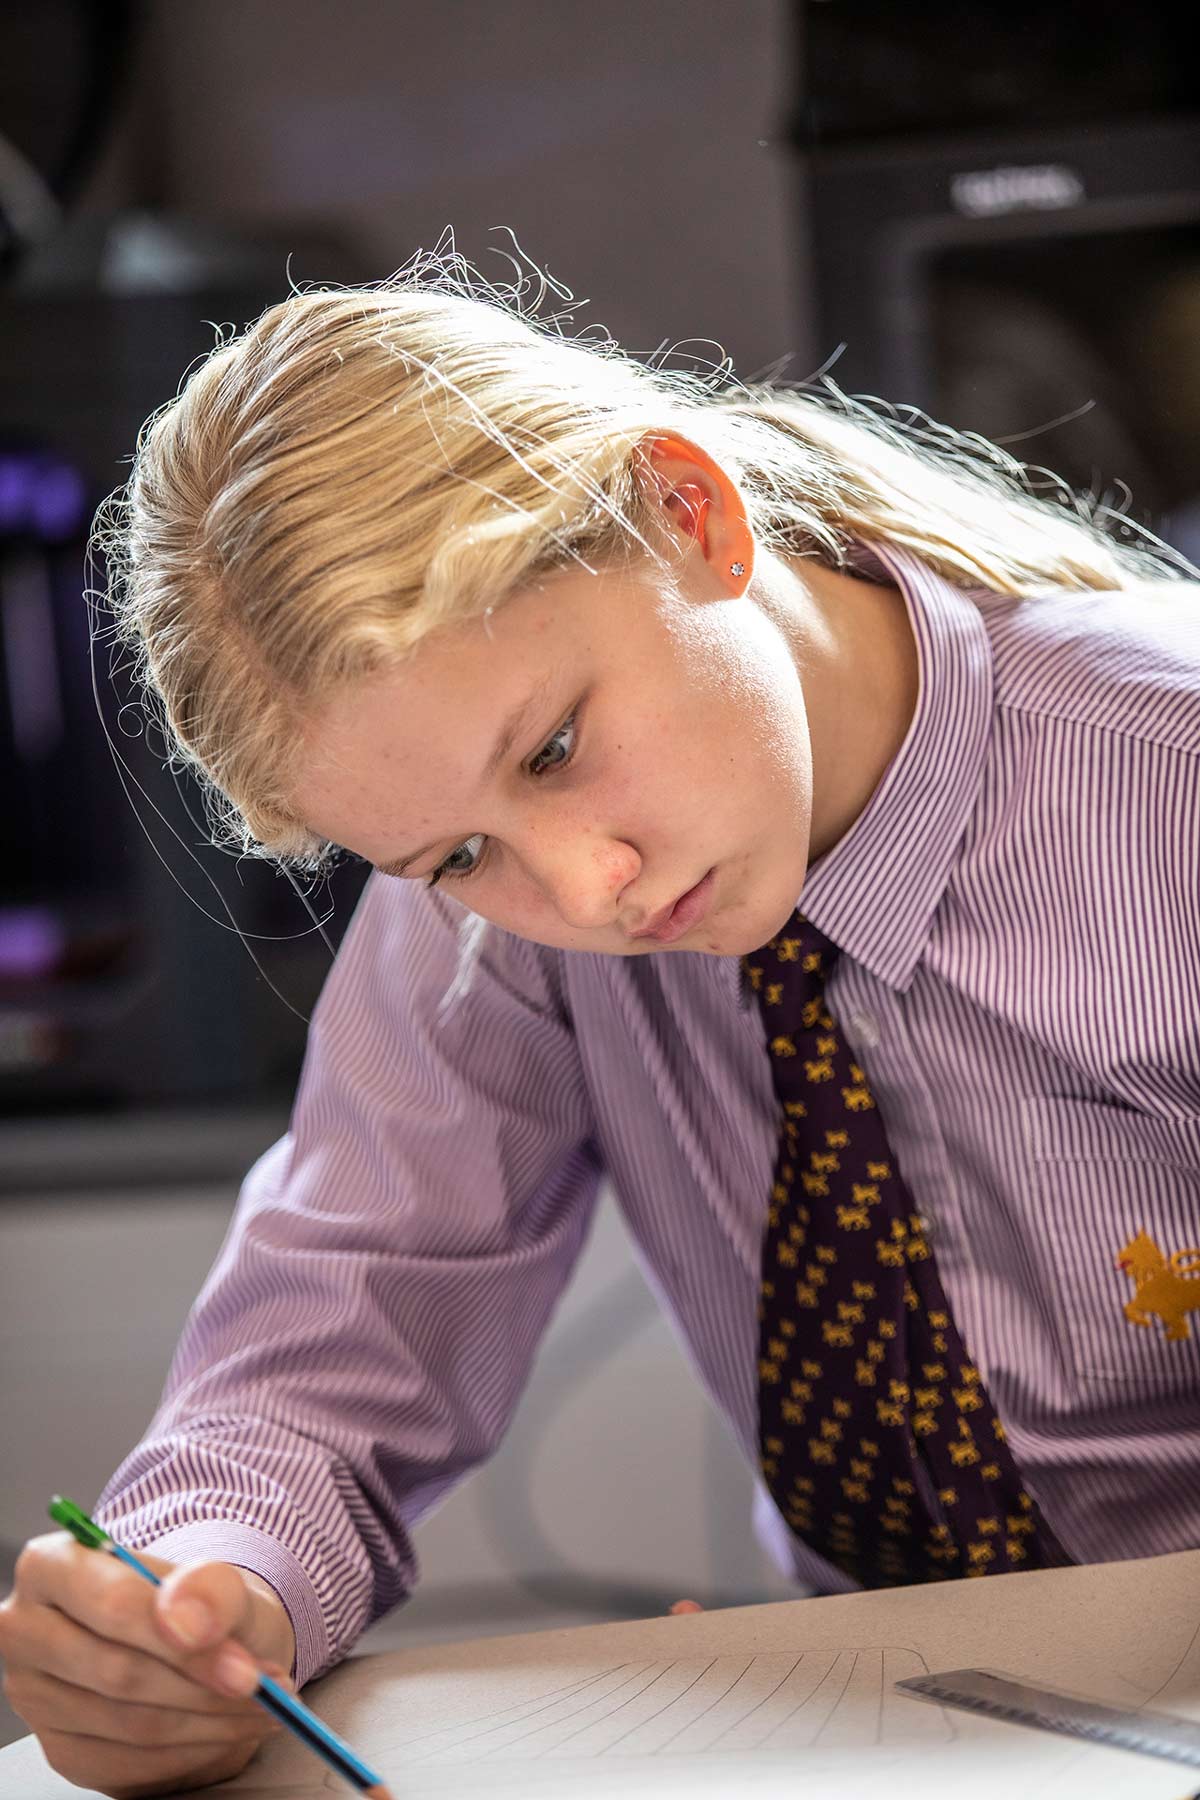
[221, 1540]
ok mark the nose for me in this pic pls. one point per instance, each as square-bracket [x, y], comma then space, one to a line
[584, 877]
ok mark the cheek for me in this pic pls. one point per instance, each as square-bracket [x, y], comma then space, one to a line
[748, 722]
[738, 657]
[513, 902]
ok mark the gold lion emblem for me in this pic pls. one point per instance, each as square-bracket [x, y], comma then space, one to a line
[1169, 1287]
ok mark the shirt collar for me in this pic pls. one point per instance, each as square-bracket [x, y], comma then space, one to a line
[876, 891]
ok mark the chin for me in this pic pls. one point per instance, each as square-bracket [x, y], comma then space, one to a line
[752, 926]
[739, 936]
[746, 942]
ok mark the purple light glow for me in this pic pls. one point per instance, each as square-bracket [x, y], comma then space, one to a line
[32, 942]
[40, 494]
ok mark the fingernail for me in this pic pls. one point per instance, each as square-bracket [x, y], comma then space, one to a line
[191, 1622]
[235, 1672]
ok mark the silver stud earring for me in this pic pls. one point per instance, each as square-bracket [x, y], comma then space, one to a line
[737, 568]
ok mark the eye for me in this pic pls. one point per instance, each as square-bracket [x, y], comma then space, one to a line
[452, 866]
[562, 754]
[554, 754]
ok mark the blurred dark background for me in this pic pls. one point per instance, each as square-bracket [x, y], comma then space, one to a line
[166, 168]
[991, 213]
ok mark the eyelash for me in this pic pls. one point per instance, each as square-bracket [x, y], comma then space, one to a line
[443, 868]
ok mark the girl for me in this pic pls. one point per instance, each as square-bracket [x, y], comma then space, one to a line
[779, 809]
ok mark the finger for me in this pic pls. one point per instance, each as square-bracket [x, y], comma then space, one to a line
[39, 1638]
[46, 1703]
[686, 1606]
[113, 1602]
[98, 1592]
[94, 1764]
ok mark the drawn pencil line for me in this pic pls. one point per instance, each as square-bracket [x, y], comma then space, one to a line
[521, 1717]
[596, 1702]
[841, 1696]
[702, 1715]
[1168, 1679]
[549, 1698]
[952, 1725]
[638, 1723]
[947, 1716]
[749, 1714]
[811, 1694]
[807, 1700]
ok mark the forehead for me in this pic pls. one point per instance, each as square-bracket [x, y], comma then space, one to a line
[403, 754]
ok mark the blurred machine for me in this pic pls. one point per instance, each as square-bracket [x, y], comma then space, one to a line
[116, 989]
[1004, 208]
[137, 963]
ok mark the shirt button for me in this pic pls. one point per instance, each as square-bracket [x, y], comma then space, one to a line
[925, 1224]
[866, 1029]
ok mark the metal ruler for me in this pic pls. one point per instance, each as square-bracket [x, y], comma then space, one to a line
[1004, 1697]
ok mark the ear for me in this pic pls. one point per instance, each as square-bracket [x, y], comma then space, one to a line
[701, 503]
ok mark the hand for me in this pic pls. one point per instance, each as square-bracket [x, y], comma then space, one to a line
[685, 1606]
[139, 1690]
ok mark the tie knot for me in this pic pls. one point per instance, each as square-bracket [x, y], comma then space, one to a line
[799, 960]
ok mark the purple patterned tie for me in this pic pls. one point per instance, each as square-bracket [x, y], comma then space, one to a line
[876, 1435]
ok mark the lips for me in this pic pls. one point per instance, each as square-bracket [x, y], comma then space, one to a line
[688, 910]
[658, 921]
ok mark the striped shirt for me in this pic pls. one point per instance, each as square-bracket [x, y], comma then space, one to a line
[1018, 914]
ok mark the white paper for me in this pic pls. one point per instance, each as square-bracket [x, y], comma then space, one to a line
[795, 1699]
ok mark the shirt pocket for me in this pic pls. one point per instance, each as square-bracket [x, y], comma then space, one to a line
[1111, 1181]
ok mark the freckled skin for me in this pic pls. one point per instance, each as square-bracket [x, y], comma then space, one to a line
[692, 749]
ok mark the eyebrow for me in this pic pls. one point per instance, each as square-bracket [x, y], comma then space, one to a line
[515, 723]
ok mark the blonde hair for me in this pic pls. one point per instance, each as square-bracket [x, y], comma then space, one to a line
[362, 466]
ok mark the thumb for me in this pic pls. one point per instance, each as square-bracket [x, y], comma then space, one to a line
[200, 1605]
[232, 1621]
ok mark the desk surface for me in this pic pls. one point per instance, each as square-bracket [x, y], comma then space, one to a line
[763, 1701]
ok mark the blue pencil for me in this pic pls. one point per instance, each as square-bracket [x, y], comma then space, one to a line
[293, 1713]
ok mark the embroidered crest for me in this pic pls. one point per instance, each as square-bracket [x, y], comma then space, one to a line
[1169, 1287]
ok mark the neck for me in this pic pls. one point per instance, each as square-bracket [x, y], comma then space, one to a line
[859, 671]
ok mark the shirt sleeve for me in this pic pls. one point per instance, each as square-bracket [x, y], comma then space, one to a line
[364, 1336]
